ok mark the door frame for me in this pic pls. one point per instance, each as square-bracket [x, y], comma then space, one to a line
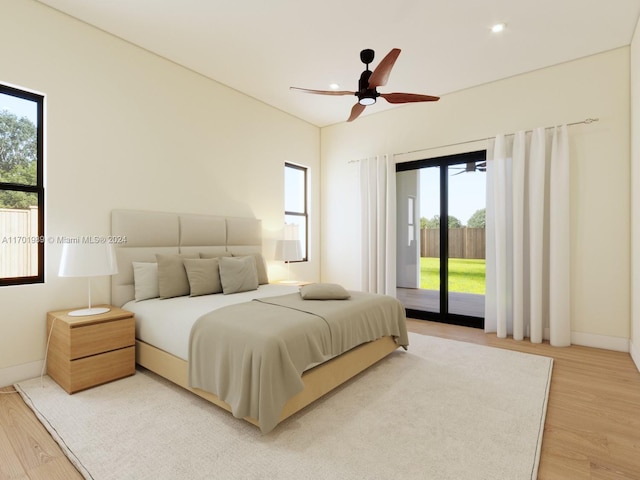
[444, 316]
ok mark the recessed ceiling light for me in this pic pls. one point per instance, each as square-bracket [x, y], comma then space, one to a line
[334, 86]
[498, 27]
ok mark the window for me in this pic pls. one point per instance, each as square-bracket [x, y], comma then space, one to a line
[21, 187]
[295, 203]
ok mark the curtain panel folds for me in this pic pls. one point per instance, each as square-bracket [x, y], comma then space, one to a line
[528, 236]
[378, 207]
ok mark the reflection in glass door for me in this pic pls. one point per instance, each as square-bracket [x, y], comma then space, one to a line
[466, 250]
[441, 265]
[418, 266]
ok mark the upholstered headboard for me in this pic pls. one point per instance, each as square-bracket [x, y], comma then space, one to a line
[140, 235]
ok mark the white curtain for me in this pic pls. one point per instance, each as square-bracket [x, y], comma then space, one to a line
[527, 228]
[378, 203]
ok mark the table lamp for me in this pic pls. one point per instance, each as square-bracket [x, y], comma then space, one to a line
[88, 260]
[289, 249]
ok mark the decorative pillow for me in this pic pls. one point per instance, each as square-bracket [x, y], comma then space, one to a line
[203, 275]
[238, 274]
[324, 291]
[172, 277]
[261, 266]
[145, 280]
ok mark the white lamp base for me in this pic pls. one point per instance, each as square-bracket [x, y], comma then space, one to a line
[88, 311]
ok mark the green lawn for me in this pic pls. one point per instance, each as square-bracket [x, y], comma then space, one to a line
[465, 275]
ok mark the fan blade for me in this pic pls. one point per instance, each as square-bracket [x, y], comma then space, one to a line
[380, 75]
[408, 97]
[324, 92]
[355, 112]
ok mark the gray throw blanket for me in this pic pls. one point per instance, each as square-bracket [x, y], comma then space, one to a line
[252, 355]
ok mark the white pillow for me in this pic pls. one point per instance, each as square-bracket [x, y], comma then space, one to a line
[145, 279]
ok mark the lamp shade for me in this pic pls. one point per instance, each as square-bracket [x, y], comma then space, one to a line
[87, 260]
[288, 250]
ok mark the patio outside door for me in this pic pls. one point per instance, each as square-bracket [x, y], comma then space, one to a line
[441, 265]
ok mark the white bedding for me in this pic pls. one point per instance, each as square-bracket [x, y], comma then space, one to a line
[166, 323]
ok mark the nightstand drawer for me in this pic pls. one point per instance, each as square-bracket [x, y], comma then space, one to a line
[76, 375]
[102, 337]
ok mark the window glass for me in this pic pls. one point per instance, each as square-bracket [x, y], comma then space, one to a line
[21, 187]
[294, 180]
[295, 203]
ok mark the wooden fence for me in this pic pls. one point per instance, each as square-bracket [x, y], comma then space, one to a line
[18, 242]
[463, 242]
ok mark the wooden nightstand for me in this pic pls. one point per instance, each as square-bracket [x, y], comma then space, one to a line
[87, 351]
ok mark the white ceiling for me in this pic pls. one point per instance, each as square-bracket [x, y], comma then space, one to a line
[262, 47]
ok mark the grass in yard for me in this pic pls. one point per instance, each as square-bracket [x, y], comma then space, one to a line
[465, 274]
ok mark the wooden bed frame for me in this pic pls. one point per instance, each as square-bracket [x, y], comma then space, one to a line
[318, 381]
[148, 233]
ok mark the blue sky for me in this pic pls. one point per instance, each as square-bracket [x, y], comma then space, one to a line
[467, 193]
[19, 107]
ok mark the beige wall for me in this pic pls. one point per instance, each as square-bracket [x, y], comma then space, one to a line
[596, 86]
[635, 197]
[128, 129]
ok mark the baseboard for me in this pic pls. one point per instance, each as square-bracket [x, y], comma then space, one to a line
[606, 342]
[634, 350]
[18, 373]
[619, 344]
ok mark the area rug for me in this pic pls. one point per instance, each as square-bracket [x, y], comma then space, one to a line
[441, 410]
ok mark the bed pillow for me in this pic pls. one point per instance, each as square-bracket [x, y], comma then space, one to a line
[172, 276]
[145, 280]
[261, 266]
[203, 275]
[238, 274]
[324, 291]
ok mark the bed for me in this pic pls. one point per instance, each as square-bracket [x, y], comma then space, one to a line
[290, 350]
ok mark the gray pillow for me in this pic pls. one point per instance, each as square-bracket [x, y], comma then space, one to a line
[145, 280]
[261, 266]
[324, 291]
[238, 274]
[172, 277]
[203, 275]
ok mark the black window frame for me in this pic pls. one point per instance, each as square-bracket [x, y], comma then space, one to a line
[37, 189]
[305, 212]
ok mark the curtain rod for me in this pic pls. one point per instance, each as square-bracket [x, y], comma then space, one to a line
[586, 121]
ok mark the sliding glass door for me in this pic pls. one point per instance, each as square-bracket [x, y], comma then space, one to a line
[441, 264]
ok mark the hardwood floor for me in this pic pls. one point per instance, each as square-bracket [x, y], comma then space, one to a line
[27, 451]
[592, 428]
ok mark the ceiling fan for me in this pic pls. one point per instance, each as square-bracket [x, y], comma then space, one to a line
[369, 82]
[471, 167]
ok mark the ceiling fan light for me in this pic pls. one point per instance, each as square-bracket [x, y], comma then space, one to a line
[367, 101]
